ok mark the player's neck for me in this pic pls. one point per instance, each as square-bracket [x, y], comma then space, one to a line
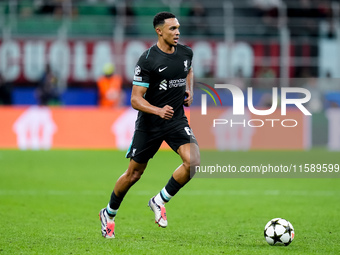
[169, 49]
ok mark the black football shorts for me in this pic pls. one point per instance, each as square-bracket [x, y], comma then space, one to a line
[144, 145]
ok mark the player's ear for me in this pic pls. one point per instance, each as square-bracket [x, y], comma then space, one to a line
[159, 30]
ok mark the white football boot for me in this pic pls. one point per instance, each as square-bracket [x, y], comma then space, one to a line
[160, 213]
[108, 224]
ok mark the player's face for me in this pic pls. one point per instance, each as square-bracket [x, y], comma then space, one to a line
[170, 31]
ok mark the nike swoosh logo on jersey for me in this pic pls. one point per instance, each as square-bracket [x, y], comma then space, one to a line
[161, 70]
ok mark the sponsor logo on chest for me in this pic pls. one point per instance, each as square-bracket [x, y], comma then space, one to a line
[176, 83]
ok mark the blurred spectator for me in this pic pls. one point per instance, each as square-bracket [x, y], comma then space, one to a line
[56, 7]
[303, 72]
[265, 78]
[109, 87]
[5, 92]
[130, 18]
[198, 20]
[266, 72]
[25, 8]
[324, 8]
[303, 14]
[46, 7]
[327, 22]
[47, 92]
[126, 9]
[268, 11]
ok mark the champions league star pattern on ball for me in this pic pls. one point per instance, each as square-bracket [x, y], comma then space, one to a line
[279, 231]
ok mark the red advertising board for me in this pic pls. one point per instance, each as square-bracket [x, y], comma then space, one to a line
[90, 127]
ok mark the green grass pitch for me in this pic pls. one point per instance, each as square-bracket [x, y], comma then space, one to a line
[49, 204]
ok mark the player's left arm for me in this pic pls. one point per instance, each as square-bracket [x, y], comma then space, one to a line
[189, 92]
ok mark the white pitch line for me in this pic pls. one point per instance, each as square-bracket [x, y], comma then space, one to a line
[251, 192]
[50, 192]
[323, 193]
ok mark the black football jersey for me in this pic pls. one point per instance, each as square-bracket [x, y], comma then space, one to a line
[164, 76]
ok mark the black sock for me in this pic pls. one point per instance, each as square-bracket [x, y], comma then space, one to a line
[172, 187]
[114, 203]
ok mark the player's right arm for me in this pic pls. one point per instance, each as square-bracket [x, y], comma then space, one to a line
[139, 103]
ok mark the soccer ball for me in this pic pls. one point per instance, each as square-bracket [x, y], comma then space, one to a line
[279, 231]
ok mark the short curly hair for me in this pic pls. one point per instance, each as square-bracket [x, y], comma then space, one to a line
[160, 18]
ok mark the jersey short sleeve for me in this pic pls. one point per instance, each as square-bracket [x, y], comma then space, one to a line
[142, 72]
[190, 53]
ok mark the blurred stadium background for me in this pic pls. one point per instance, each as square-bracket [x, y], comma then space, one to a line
[289, 43]
[248, 43]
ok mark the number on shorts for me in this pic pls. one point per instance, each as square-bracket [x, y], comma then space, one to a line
[188, 131]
